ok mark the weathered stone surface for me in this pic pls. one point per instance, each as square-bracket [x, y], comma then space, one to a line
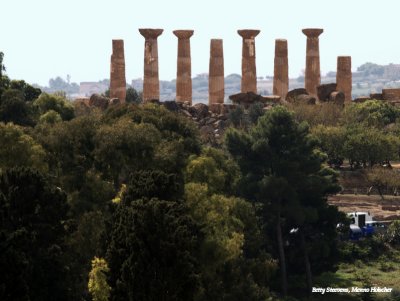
[344, 76]
[99, 101]
[324, 91]
[216, 80]
[249, 74]
[247, 99]
[391, 94]
[337, 97]
[377, 96]
[117, 71]
[151, 82]
[293, 94]
[199, 110]
[184, 66]
[281, 69]
[273, 98]
[305, 99]
[313, 72]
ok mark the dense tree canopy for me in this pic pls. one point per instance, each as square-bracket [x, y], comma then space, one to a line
[32, 216]
[134, 207]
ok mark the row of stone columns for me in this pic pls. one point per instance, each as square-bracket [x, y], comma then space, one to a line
[151, 85]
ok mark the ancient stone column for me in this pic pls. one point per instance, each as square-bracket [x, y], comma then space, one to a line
[249, 74]
[117, 71]
[281, 69]
[313, 72]
[216, 81]
[151, 82]
[344, 77]
[184, 67]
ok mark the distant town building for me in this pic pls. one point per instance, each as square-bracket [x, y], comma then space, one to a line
[86, 89]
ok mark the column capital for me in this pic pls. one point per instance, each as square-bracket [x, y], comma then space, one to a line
[248, 33]
[150, 33]
[183, 34]
[312, 32]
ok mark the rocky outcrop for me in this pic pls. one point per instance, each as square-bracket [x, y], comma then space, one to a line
[301, 96]
[99, 101]
[249, 98]
[324, 91]
[329, 92]
[293, 94]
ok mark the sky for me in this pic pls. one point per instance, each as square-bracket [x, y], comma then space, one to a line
[42, 39]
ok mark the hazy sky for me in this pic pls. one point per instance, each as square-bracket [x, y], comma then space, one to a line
[42, 39]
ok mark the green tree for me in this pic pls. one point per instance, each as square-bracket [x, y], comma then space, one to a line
[13, 108]
[282, 171]
[233, 264]
[51, 117]
[371, 113]
[47, 102]
[19, 149]
[151, 252]
[2, 67]
[367, 145]
[214, 168]
[98, 286]
[30, 93]
[383, 178]
[32, 217]
[124, 146]
[331, 140]
[133, 96]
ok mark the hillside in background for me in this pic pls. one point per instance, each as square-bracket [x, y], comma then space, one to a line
[369, 78]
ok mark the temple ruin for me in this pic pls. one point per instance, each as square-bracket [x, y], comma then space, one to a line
[184, 67]
[281, 69]
[313, 93]
[216, 80]
[344, 76]
[249, 74]
[313, 72]
[151, 82]
[117, 71]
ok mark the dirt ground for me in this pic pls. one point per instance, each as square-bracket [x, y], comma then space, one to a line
[386, 210]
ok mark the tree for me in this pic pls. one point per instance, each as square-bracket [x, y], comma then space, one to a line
[13, 108]
[368, 145]
[214, 168]
[371, 113]
[2, 67]
[47, 102]
[331, 139]
[30, 93]
[98, 286]
[123, 147]
[19, 149]
[233, 264]
[133, 96]
[282, 171]
[51, 117]
[382, 178]
[32, 216]
[151, 253]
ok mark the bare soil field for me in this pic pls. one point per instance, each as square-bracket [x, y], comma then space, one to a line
[381, 210]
